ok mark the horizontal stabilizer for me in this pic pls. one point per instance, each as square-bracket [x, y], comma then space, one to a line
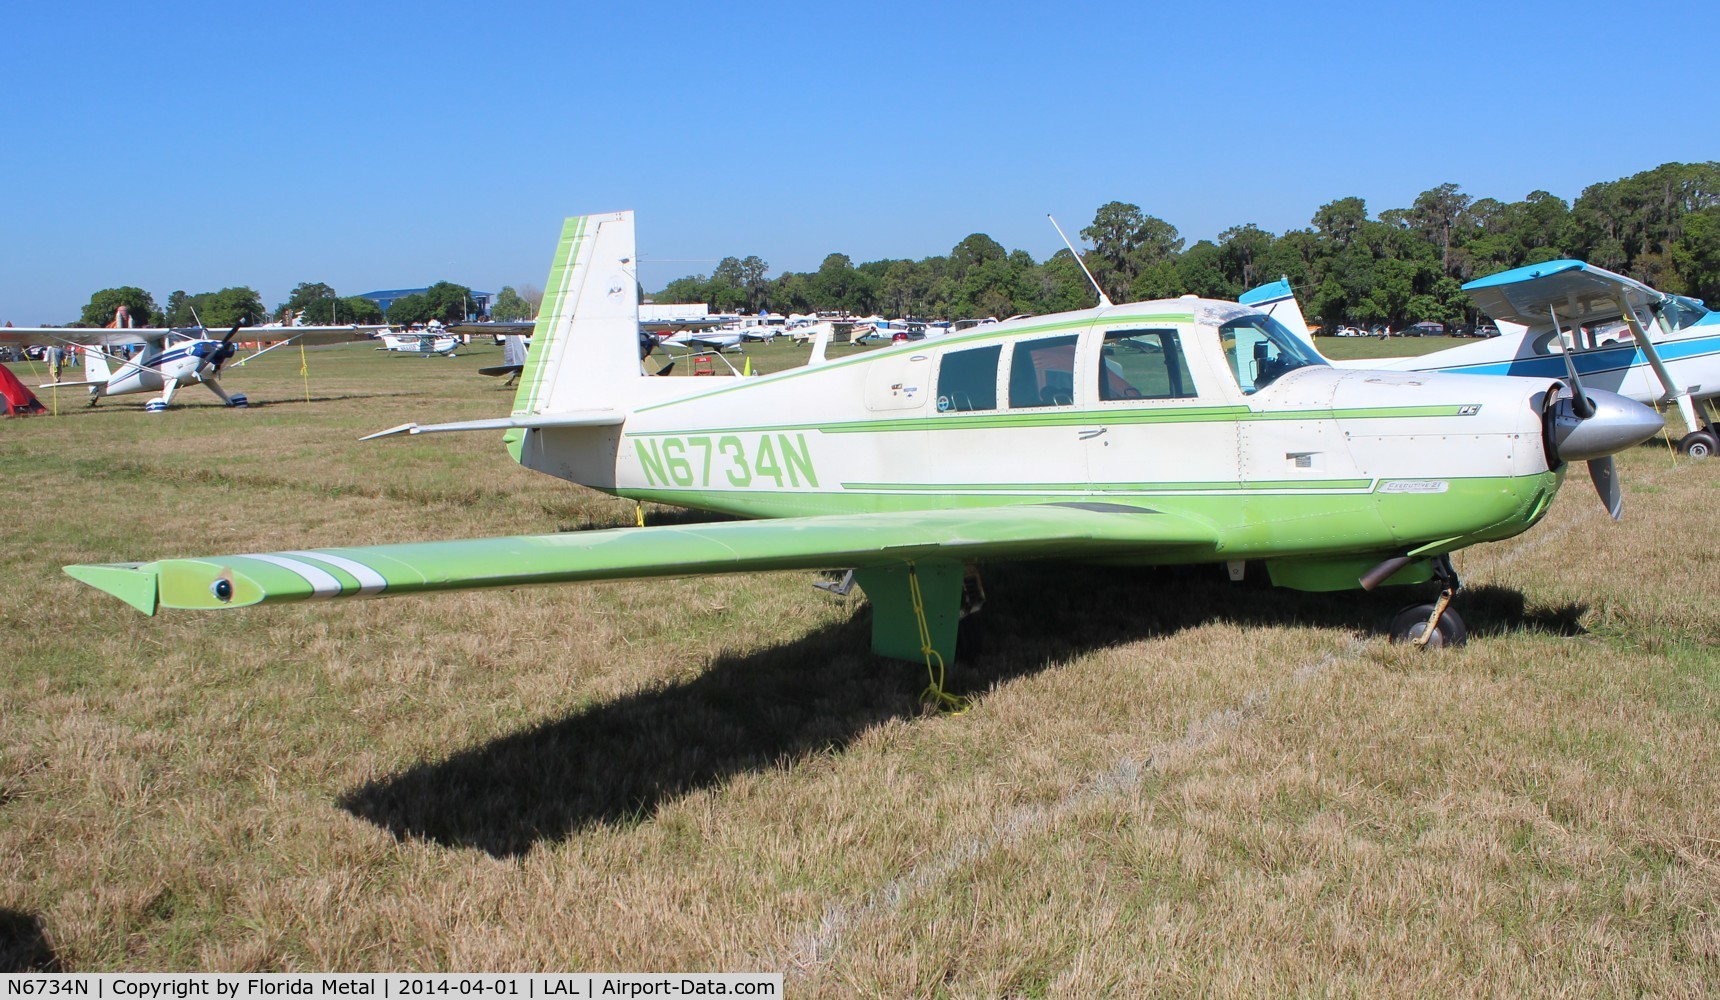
[827, 542]
[577, 418]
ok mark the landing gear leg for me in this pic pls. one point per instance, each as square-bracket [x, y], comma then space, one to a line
[1436, 624]
[970, 630]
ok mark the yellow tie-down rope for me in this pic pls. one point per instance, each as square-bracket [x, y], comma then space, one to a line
[305, 369]
[934, 693]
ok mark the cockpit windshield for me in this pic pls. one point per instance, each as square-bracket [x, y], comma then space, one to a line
[1261, 351]
[1681, 312]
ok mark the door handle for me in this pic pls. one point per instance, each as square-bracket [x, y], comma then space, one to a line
[1089, 433]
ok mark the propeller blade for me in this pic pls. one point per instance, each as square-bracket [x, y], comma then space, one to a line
[1604, 472]
[1580, 404]
[225, 351]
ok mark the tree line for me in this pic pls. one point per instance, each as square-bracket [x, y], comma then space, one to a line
[1401, 266]
[315, 302]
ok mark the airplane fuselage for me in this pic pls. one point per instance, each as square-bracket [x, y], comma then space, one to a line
[1320, 462]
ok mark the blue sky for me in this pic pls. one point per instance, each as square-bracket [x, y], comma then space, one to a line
[195, 146]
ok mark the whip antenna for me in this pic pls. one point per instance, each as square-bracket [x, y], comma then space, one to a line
[1104, 300]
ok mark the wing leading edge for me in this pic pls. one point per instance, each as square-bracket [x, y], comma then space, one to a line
[825, 542]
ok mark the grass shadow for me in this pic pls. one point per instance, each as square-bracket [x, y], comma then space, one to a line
[617, 762]
[123, 405]
[23, 945]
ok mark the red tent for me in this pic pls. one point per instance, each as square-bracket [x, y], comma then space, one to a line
[16, 399]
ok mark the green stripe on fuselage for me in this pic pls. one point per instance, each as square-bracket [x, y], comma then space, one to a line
[1083, 417]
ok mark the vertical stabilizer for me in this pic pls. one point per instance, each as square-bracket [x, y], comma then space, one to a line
[1279, 301]
[585, 346]
[95, 364]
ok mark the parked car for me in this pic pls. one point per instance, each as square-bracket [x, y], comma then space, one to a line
[1426, 328]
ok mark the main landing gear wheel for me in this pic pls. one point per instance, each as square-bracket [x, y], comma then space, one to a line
[1699, 444]
[1410, 624]
[1433, 625]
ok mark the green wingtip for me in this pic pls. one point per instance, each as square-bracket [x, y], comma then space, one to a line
[126, 581]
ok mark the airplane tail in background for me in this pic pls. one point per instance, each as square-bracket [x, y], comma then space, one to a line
[586, 341]
[1279, 301]
[95, 366]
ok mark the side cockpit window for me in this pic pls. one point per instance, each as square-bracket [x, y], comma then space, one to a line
[967, 380]
[1042, 373]
[1143, 364]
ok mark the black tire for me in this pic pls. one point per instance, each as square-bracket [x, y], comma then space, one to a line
[1408, 625]
[1699, 444]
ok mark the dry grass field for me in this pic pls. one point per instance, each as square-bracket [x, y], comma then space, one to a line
[1166, 783]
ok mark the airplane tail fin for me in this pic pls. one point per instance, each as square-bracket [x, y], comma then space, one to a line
[585, 346]
[1279, 301]
[95, 366]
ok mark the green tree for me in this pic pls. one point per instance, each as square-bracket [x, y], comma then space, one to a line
[510, 307]
[451, 303]
[1339, 221]
[217, 310]
[1696, 255]
[1200, 270]
[753, 271]
[302, 296]
[1439, 213]
[239, 304]
[1244, 247]
[105, 303]
[1127, 242]
[410, 309]
[349, 310]
[688, 289]
[1060, 286]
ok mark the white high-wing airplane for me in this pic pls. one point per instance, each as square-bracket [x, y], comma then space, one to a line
[433, 341]
[1616, 332]
[1149, 433]
[169, 357]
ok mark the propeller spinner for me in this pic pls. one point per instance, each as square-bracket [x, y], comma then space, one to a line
[1592, 425]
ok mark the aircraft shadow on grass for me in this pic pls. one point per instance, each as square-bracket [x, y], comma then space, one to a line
[616, 763]
[81, 408]
[23, 945]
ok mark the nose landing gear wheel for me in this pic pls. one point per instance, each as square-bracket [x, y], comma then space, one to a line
[1410, 624]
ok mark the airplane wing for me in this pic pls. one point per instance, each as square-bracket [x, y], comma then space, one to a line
[308, 335]
[1581, 292]
[825, 542]
[522, 328]
[108, 337]
[101, 336]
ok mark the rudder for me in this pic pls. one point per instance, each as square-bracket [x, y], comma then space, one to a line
[587, 334]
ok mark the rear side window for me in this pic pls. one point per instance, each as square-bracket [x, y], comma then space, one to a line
[1042, 373]
[967, 380]
[1143, 364]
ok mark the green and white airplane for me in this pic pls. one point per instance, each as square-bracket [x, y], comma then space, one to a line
[1171, 432]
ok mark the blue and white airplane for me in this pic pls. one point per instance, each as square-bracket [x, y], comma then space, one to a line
[167, 357]
[1616, 332]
